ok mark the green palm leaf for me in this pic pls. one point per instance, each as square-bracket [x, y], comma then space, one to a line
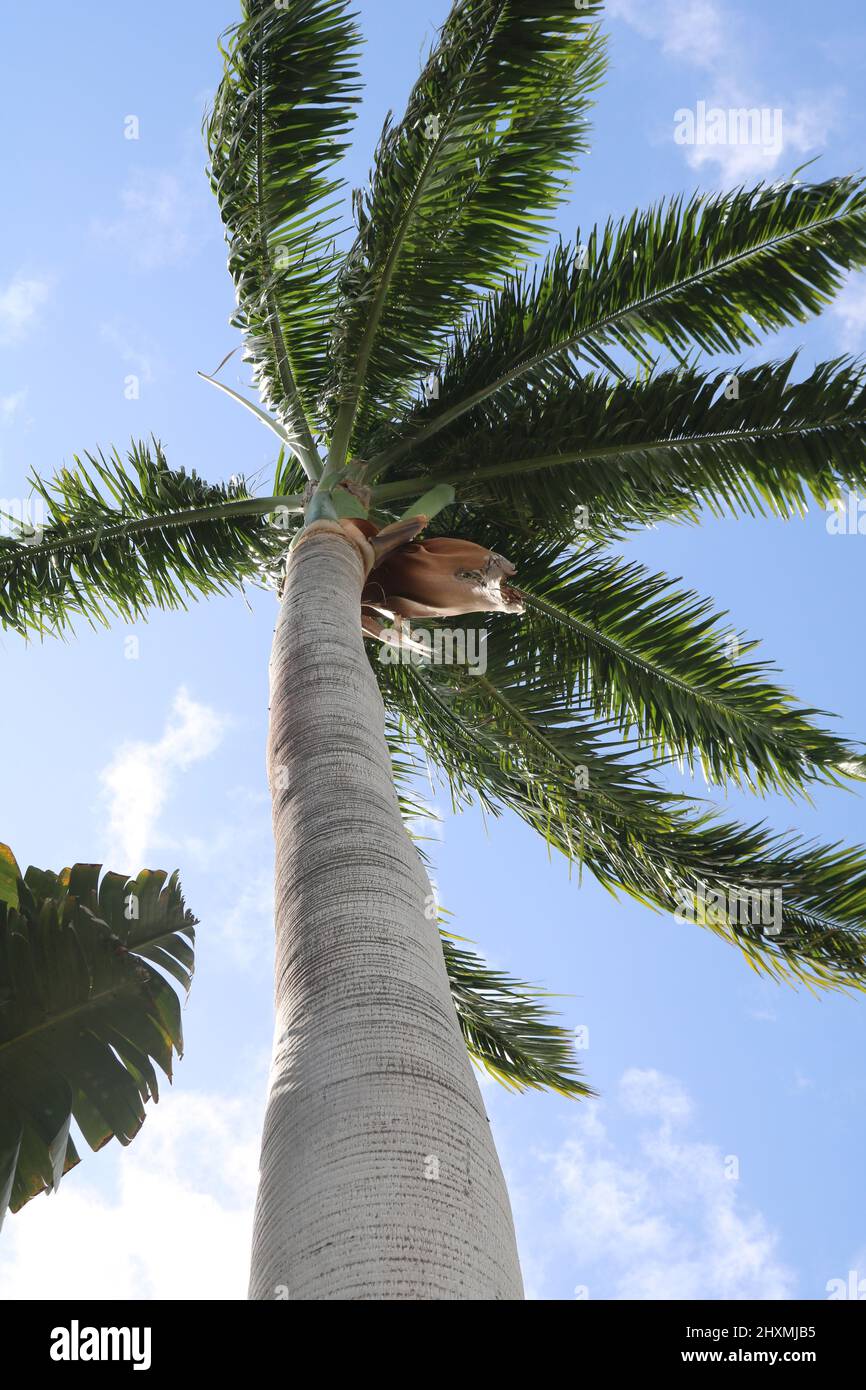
[513, 743]
[712, 273]
[508, 1029]
[276, 130]
[507, 1024]
[118, 540]
[459, 191]
[627, 453]
[662, 662]
[84, 1012]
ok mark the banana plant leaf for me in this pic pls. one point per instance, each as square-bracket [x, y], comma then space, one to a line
[86, 1012]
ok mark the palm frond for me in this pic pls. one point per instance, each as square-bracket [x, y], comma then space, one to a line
[459, 719]
[507, 1025]
[118, 539]
[460, 191]
[628, 453]
[510, 743]
[277, 128]
[660, 661]
[84, 1012]
[712, 273]
[508, 1028]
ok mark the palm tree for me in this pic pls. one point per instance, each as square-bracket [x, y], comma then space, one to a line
[84, 1012]
[562, 405]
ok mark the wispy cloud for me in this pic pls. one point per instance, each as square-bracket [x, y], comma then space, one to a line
[693, 30]
[656, 1213]
[246, 924]
[12, 405]
[720, 42]
[128, 350]
[850, 308]
[137, 782]
[803, 127]
[241, 919]
[157, 223]
[20, 300]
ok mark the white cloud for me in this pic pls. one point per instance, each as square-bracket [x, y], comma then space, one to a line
[242, 918]
[246, 927]
[697, 32]
[156, 224]
[693, 30]
[177, 1227]
[11, 406]
[137, 781]
[20, 300]
[721, 43]
[128, 351]
[662, 1220]
[850, 307]
[803, 127]
[174, 1217]
[652, 1093]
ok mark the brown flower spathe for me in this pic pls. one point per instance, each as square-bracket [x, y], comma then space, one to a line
[439, 577]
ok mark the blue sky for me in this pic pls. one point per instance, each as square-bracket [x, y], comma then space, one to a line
[113, 266]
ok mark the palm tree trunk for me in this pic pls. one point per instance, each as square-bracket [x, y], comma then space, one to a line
[379, 1177]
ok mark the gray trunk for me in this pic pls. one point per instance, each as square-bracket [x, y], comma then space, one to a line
[379, 1177]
